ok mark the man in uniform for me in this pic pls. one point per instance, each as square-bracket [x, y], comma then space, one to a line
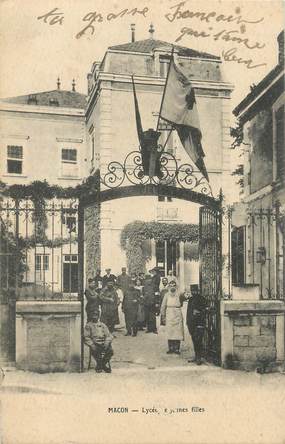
[93, 300]
[196, 320]
[130, 308]
[151, 302]
[124, 281]
[109, 306]
[108, 277]
[98, 337]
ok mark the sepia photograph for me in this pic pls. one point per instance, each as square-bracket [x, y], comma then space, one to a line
[142, 222]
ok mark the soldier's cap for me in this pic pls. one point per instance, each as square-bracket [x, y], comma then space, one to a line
[154, 269]
[194, 288]
[107, 269]
[172, 282]
[124, 268]
[90, 280]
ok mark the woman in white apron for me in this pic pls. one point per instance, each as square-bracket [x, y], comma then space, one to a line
[171, 316]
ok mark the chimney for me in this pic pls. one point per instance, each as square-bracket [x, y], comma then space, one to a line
[280, 40]
[58, 83]
[133, 29]
[151, 31]
[73, 85]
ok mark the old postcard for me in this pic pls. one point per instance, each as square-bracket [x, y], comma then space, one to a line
[142, 222]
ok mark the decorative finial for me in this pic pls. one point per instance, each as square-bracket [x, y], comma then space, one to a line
[58, 83]
[73, 85]
[133, 30]
[151, 31]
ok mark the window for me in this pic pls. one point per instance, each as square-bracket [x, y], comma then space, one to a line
[14, 159]
[42, 262]
[69, 162]
[280, 148]
[69, 219]
[166, 256]
[238, 255]
[164, 62]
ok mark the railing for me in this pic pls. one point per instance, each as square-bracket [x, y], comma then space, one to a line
[39, 249]
[257, 251]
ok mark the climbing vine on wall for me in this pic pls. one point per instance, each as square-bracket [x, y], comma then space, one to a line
[38, 192]
[135, 234]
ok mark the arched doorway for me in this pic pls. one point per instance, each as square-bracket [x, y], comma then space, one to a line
[178, 182]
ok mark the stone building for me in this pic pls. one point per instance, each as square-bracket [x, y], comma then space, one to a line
[252, 323]
[43, 138]
[111, 134]
[258, 235]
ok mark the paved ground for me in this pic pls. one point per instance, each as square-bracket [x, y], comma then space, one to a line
[188, 404]
[148, 350]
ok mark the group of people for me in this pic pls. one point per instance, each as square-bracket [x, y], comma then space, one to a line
[144, 298]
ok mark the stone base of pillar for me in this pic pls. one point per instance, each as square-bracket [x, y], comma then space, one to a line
[48, 336]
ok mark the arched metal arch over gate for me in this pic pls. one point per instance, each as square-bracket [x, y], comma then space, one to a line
[179, 182]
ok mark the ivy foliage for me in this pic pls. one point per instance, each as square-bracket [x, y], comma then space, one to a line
[38, 191]
[134, 238]
[237, 134]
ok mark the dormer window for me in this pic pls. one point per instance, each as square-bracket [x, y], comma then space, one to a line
[53, 102]
[32, 99]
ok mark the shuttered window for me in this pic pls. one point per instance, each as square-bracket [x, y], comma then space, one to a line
[238, 255]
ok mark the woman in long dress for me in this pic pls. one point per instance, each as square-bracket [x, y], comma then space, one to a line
[171, 316]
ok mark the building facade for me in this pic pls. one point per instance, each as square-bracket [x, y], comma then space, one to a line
[112, 134]
[43, 138]
[258, 233]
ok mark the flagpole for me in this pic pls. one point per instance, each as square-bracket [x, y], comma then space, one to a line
[163, 94]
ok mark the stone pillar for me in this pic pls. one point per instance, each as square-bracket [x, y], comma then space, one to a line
[92, 218]
[252, 335]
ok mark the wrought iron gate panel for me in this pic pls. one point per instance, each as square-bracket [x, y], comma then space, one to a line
[210, 254]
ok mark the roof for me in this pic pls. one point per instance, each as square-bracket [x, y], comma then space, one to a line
[257, 90]
[149, 45]
[57, 97]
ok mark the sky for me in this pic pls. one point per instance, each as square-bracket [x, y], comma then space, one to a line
[34, 53]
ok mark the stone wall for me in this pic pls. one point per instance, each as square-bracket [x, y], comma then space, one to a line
[253, 335]
[48, 336]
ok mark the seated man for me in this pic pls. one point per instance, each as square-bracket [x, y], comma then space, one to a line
[99, 339]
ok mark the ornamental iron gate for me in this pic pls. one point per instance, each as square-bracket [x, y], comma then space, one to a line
[210, 255]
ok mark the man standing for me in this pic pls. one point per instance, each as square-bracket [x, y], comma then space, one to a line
[109, 306]
[108, 277]
[130, 308]
[196, 320]
[99, 339]
[150, 302]
[124, 281]
[93, 300]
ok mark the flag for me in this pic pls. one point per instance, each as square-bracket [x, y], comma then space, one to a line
[180, 109]
[148, 142]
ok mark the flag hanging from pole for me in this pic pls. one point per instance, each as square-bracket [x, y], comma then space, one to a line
[148, 142]
[180, 109]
